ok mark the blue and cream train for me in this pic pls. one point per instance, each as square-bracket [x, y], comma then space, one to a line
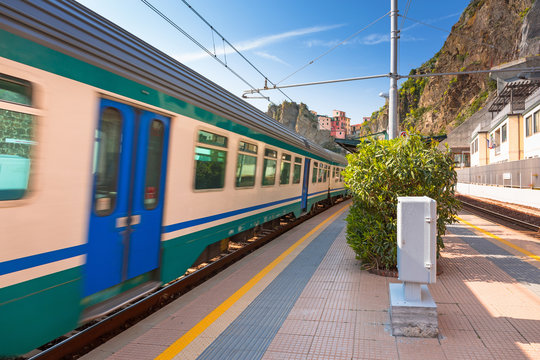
[119, 166]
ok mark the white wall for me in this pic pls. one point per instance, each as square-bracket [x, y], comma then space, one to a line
[526, 197]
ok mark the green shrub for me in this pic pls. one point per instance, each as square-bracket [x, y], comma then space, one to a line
[380, 172]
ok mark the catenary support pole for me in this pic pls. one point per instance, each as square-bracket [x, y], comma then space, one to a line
[393, 94]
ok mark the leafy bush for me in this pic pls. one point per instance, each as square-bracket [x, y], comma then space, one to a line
[380, 172]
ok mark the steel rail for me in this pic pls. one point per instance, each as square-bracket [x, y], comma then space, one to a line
[509, 219]
[91, 337]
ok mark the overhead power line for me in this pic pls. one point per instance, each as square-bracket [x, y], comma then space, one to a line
[213, 55]
[232, 46]
[333, 48]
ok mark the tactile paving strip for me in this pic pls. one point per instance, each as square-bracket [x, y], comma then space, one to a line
[520, 270]
[251, 333]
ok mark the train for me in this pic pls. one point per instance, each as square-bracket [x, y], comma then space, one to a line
[121, 167]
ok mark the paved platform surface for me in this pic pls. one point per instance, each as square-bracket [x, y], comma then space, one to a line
[304, 296]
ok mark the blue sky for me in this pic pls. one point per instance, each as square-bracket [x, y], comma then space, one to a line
[279, 37]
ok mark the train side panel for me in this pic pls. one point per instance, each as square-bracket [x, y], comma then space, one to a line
[196, 218]
[42, 271]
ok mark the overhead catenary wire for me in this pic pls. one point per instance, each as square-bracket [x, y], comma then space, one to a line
[333, 48]
[471, 72]
[232, 46]
[177, 27]
[407, 7]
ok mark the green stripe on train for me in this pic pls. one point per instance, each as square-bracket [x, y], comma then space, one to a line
[30, 53]
[181, 252]
[36, 311]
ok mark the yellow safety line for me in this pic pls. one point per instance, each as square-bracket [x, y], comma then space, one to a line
[523, 251]
[195, 331]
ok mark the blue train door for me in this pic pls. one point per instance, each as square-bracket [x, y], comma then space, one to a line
[305, 184]
[129, 168]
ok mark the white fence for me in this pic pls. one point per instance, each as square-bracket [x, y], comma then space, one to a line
[524, 174]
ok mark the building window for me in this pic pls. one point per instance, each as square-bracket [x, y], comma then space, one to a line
[210, 161]
[528, 126]
[536, 122]
[503, 133]
[285, 174]
[246, 164]
[497, 142]
[16, 138]
[297, 172]
[269, 167]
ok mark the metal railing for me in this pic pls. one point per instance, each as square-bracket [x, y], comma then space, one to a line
[523, 174]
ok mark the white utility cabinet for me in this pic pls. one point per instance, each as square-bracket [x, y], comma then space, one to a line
[417, 239]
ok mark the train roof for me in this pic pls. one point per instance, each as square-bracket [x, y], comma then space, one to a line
[70, 28]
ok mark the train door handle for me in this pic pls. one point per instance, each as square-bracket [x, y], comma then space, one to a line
[128, 220]
[122, 222]
[135, 219]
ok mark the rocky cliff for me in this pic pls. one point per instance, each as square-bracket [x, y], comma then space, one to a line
[488, 33]
[300, 119]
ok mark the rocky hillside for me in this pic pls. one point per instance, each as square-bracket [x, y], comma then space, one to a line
[488, 33]
[300, 119]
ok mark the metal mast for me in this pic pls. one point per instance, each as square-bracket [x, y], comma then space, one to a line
[393, 94]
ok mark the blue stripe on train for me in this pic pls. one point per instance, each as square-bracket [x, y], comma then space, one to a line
[207, 219]
[11, 266]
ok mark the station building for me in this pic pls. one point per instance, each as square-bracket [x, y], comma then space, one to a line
[503, 139]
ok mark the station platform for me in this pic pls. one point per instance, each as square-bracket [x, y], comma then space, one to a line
[304, 296]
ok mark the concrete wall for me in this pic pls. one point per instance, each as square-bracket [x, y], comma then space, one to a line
[527, 197]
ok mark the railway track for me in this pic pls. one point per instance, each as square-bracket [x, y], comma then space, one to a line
[88, 337]
[499, 216]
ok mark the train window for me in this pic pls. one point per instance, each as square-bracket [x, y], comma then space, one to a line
[16, 139]
[325, 174]
[321, 170]
[247, 147]
[209, 138]
[210, 163]
[285, 174]
[15, 90]
[107, 158]
[297, 172]
[269, 167]
[246, 165]
[315, 172]
[270, 153]
[153, 164]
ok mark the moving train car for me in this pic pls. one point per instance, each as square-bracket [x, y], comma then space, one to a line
[120, 166]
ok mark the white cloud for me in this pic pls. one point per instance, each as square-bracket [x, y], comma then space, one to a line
[271, 57]
[260, 42]
[374, 39]
[313, 43]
